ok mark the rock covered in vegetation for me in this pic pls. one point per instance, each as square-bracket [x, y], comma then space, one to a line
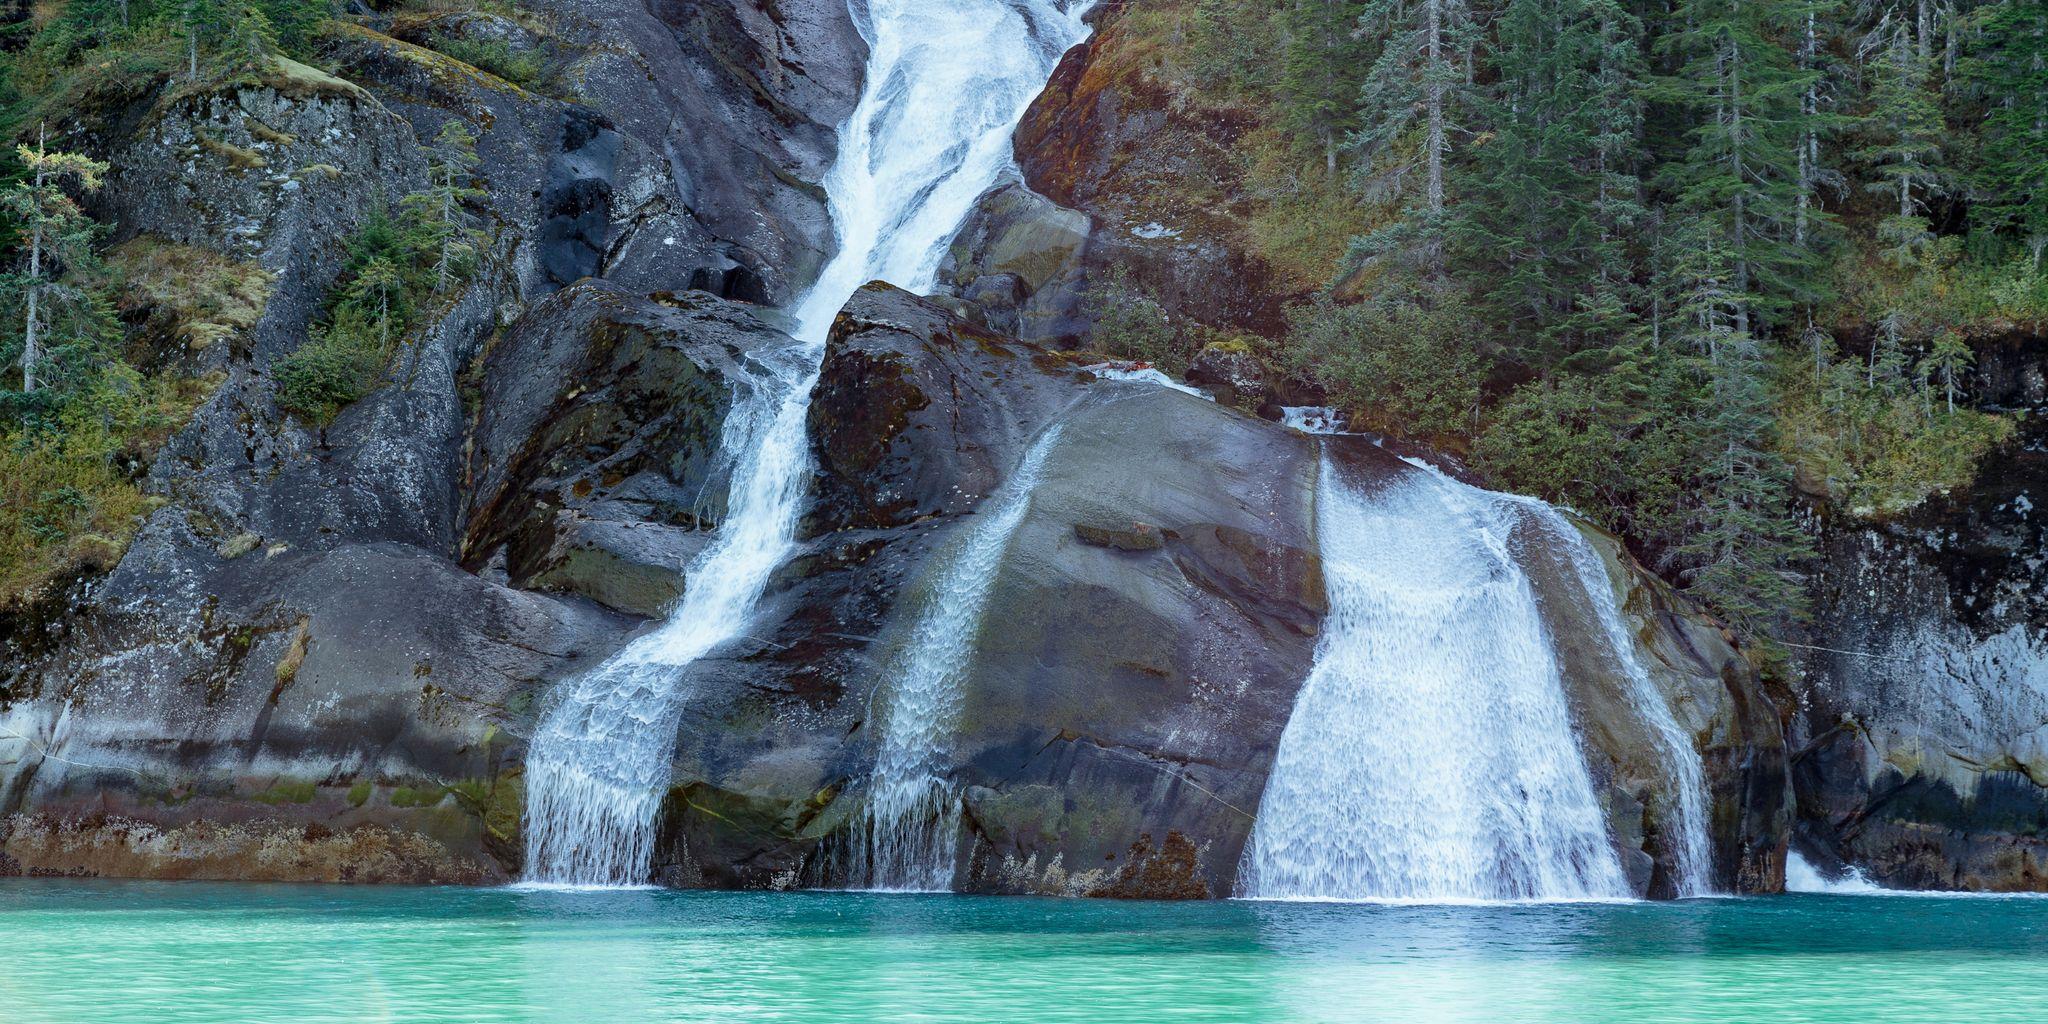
[1922, 757]
[290, 674]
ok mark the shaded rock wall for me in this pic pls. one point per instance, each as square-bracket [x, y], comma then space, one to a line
[1923, 735]
[340, 633]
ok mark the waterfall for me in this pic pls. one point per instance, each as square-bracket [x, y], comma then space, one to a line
[909, 833]
[1687, 815]
[1430, 754]
[946, 82]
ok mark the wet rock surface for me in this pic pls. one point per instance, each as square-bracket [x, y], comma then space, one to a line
[594, 463]
[1145, 638]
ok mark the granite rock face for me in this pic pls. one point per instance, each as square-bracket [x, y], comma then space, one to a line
[300, 668]
[1922, 757]
[1157, 178]
[1145, 636]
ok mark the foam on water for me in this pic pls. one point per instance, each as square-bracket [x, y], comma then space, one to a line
[1146, 375]
[1802, 876]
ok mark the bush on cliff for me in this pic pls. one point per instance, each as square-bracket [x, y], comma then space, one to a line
[393, 273]
[495, 56]
[1395, 363]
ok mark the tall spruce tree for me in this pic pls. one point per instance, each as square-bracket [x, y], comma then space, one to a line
[1820, 116]
[1740, 545]
[1412, 97]
[1905, 131]
[1547, 204]
[56, 236]
[1739, 172]
[1320, 72]
[2010, 66]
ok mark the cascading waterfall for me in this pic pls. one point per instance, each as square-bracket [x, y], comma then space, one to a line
[1430, 754]
[1692, 855]
[909, 834]
[947, 81]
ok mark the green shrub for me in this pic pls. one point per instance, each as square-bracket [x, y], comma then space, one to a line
[1392, 363]
[69, 499]
[522, 68]
[1874, 441]
[1130, 324]
[342, 363]
[391, 272]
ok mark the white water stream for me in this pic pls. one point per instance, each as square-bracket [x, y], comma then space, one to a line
[1802, 876]
[908, 837]
[1431, 753]
[946, 82]
[1692, 854]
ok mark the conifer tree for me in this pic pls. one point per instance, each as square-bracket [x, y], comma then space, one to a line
[2010, 66]
[1412, 97]
[58, 233]
[1547, 204]
[1320, 72]
[1818, 116]
[439, 222]
[1947, 361]
[1740, 543]
[1906, 130]
[252, 39]
[1739, 173]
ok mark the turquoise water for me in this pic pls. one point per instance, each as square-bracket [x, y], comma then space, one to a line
[168, 953]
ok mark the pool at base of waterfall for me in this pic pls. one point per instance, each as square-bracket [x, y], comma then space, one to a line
[202, 952]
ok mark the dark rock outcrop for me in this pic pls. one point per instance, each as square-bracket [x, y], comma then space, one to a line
[594, 463]
[1157, 178]
[1922, 755]
[1019, 262]
[297, 670]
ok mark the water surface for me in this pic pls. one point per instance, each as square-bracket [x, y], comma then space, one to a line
[206, 952]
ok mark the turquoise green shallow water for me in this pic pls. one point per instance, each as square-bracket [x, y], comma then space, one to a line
[202, 952]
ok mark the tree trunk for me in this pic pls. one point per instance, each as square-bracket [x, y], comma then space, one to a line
[1809, 143]
[31, 341]
[31, 348]
[1734, 72]
[1434, 96]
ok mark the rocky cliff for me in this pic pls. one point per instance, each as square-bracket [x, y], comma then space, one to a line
[1922, 754]
[322, 654]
